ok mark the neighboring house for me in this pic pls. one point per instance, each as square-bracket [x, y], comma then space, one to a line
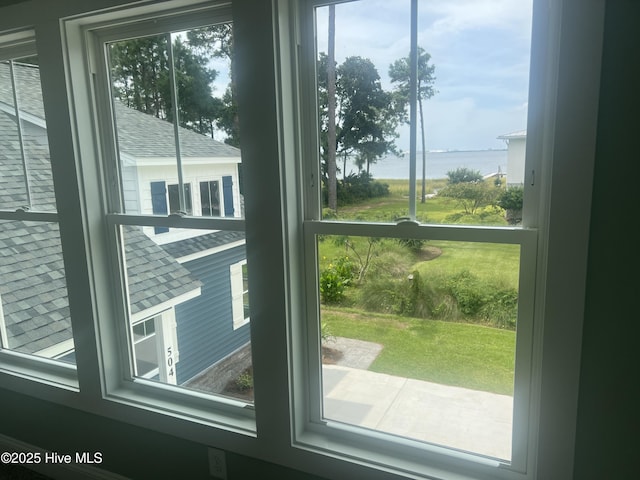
[187, 289]
[516, 146]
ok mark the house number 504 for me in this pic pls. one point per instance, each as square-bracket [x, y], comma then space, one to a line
[170, 362]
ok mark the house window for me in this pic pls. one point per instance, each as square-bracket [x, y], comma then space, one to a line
[239, 276]
[174, 199]
[145, 349]
[210, 198]
[34, 308]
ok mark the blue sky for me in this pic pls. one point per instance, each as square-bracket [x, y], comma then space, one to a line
[480, 49]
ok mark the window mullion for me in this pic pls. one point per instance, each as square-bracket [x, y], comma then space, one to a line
[16, 105]
[176, 121]
[413, 100]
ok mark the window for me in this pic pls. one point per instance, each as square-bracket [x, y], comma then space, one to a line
[399, 281]
[240, 293]
[174, 199]
[144, 346]
[34, 309]
[157, 312]
[175, 326]
[210, 198]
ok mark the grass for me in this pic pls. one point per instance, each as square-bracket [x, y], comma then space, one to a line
[452, 353]
[458, 354]
[436, 210]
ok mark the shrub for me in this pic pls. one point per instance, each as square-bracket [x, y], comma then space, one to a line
[244, 381]
[413, 244]
[335, 278]
[358, 187]
[464, 175]
[511, 198]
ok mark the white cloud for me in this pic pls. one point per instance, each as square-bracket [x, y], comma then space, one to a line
[480, 49]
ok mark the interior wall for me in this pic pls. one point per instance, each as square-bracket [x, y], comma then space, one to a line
[607, 437]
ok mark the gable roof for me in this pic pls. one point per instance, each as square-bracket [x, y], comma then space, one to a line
[139, 135]
[33, 298]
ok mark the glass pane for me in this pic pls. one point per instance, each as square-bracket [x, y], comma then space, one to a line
[25, 165]
[418, 338]
[205, 147]
[473, 70]
[34, 309]
[181, 291]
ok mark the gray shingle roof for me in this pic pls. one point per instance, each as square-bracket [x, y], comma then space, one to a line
[202, 243]
[139, 135]
[32, 282]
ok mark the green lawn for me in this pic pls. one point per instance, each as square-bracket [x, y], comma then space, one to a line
[457, 354]
[451, 353]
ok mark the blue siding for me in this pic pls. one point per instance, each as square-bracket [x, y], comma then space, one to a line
[205, 323]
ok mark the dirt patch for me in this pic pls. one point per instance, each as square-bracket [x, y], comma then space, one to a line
[241, 387]
[330, 356]
[427, 253]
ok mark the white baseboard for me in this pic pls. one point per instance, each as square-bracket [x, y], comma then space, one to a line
[47, 466]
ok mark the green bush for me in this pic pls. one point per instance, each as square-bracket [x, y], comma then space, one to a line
[458, 297]
[511, 198]
[358, 187]
[464, 175]
[335, 278]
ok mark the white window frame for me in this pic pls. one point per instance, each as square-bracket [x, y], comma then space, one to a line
[236, 277]
[16, 45]
[313, 226]
[94, 121]
[315, 433]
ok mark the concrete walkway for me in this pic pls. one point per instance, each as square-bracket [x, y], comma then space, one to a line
[464, 419]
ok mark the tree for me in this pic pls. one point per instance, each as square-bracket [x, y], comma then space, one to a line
[471, 195]
[140, 72]
[366, 117]
[217, 41]
[400, 73]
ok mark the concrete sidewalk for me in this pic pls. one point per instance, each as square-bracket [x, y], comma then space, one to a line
[470, 420]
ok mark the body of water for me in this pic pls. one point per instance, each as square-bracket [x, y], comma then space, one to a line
[438, 164]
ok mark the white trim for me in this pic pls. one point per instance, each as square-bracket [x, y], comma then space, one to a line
[161, 307]
[4, 339]
[171, 161]
[57, 349]
[24, 116]
[210, 251]
[236, 279]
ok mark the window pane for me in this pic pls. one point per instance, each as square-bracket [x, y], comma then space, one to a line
[25, 166]
[34, 309]
[470, 115]
[197, 145]
[418, 338]
[181, 292]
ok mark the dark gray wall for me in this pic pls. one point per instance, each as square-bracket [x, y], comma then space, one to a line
[608, 418]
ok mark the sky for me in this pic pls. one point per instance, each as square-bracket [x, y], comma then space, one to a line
[480, 49]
